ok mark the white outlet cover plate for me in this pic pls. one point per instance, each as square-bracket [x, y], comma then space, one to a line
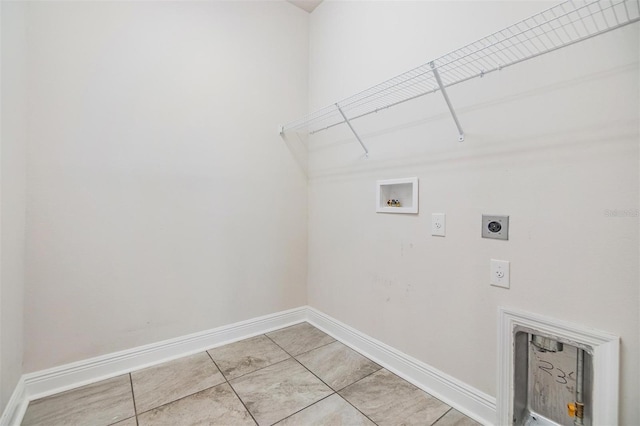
[500, 273]
[438, 224]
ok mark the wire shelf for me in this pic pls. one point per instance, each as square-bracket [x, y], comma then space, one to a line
[562, 25]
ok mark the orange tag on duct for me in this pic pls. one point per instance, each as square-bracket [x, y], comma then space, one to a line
[571, 409]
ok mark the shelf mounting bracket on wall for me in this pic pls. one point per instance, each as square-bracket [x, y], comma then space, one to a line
[346, 120]
[446, 99]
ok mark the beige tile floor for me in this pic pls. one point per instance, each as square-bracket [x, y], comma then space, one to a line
[290, 377]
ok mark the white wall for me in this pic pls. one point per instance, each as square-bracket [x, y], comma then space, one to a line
[553, 143]
[161, 199]
[12, 193]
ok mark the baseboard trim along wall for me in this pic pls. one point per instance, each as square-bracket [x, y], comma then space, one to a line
[17, 405]
[464, 398]
[455, 393]
[59, 379]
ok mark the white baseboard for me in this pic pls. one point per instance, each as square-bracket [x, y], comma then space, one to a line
[59, 379]
[464, 398]
[453, 392]
[17, 405]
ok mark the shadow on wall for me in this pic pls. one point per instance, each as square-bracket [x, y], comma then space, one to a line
[492, 147]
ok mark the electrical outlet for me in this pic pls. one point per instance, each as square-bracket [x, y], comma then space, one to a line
[500, 273]
[438, 224]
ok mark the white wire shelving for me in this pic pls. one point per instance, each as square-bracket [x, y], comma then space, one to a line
[563, 25]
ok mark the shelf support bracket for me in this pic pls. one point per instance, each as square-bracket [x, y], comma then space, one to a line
[436, 74]
[346, 120]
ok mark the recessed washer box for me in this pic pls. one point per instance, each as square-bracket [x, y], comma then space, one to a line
[495, 226]
[397, 195]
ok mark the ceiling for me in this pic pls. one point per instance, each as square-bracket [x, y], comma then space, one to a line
[307, 5]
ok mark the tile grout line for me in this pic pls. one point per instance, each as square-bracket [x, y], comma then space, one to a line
[351, 384]
[257, 369]
[290, 356]
[233, 389]
[279, 345]
[313, 349]
[344, 387]
[379, 369]
[304, 408]
[334, 392]
[294, 358]
[440, 418]
[305, 352]
[356, 408]
[313, 403]
[186, 396]
[321, 346]
[135, 416]
[133, 396]
[181, 398]
[349, 402]
[382, 368]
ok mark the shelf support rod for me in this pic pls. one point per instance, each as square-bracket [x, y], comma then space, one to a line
[346, 120]
[436, 74]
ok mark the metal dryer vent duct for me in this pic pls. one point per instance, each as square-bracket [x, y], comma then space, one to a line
[546, 344]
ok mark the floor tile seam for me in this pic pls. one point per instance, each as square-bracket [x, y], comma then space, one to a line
[133, 396]
[233, 390]
[304, 408]
[336, 392]
[322, 346]
[346, 386]
[349, 402]
[135, 370]
[357, 409]
[346, 346]
[122, 420]
[181, 398]
[301, 353]
[287, 352]
[258, 369]
[416, 388]
[291, 357]
[175, 400]
[91, 385]
[289, 326]
[226, 380]
[420, 389]
[213, 348]
[316, 376]
[315, 402]
[440, 418]
[361, 379]
[134, 405]
[326, 383]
